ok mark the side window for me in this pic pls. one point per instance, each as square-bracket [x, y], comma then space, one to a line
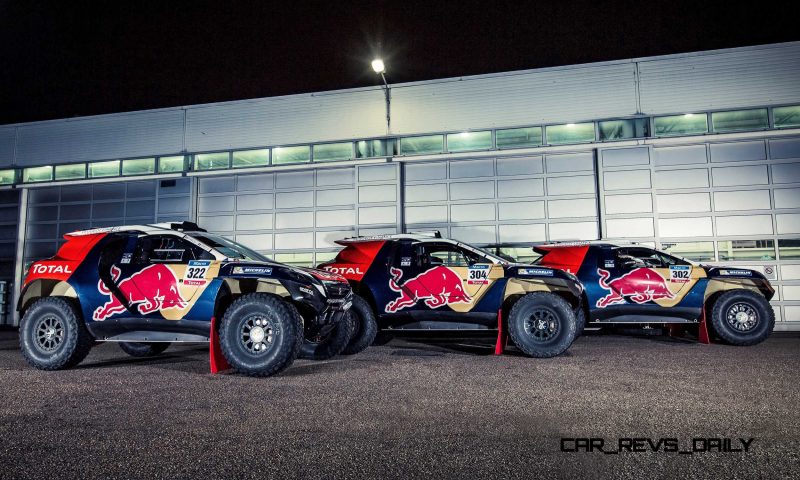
[638, 257]
[166, 249]
[112, 253]
[431, 255]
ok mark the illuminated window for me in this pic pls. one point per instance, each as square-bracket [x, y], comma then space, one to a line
[139, 166]
[789, 248]
[322, 257]
[375, 148]
[746, 250]
[37, 174]
[212, 161]
[787, 116]
[757, 119]
[284, 155]
[422, 145]
[8, 177]
[697, 251]
[328, 152]
[621, 129]
[298, 259]
[569, 133]
[104, 169]
[519, 137]
[688, 124]
[71, 172]
[251, 158]
[465, 141]
[171, 164]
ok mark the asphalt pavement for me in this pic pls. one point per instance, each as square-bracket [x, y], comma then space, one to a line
[414, 408]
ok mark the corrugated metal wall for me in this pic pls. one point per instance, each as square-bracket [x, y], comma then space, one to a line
[102, 137]
[549, 96]
[761, 76]
[286, 120]
[7, 145]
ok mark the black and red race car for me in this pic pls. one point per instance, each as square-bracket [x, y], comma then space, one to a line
[421, 282]
[635, 284]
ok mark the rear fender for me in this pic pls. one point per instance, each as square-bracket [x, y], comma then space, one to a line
[44, 287]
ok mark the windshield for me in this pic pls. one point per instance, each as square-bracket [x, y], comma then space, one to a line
[493, 257]
[229, 248]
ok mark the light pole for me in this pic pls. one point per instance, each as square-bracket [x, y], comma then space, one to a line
[380, 69]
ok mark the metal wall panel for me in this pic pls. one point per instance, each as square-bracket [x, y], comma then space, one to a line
[286, 120]
[7, 139]
[103, 137]
[718, 80]
[542, 96]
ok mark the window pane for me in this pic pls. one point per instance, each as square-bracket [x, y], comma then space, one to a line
[299, 259]
[7, 177]
[375, 148]
[746, 250]
[70, 172]
[284, 155]
[104, 169]
[519, 137]
[787, 116]
[421, 145]
[171, 164]
[570, 133]
[251, 158]
[789, 248]
[619, 129]
[37, 174]
[687, 124]
[460, 142]
[740, 120]
[211, 161]
[519, 254]
[323, 257]
[139, 166]
[697, 251]
[333, 151]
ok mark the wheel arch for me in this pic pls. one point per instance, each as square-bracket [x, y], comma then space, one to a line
[46, 287]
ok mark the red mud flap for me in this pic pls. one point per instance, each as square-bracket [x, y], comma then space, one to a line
[215, 356]
[677, 329]
[502, 335]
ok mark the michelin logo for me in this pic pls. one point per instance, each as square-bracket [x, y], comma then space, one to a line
[538, 272]
[252, 271]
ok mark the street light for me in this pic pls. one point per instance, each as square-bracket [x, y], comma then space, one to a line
[380, 68]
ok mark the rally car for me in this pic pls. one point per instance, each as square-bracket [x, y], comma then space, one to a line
[635, 284]
[146, 286]
[425, 282]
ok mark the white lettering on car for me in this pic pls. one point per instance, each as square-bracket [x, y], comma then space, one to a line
[345, 270]
[40, 269]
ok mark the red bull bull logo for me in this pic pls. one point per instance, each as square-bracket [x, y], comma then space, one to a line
[152, 289]
[641, 286]
[437, 286]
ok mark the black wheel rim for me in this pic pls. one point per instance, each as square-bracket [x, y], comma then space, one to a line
[742, 317]
[257, 334]
[542, 325]
[49, 333]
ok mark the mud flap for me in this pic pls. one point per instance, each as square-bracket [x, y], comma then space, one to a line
[502, 335]
[215, 356]
[702, 329]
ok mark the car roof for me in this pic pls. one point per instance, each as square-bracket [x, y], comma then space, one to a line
[153, 228]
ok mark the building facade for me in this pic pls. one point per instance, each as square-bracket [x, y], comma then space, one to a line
[697, 154]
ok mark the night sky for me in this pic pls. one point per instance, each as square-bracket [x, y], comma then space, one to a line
[71, 58]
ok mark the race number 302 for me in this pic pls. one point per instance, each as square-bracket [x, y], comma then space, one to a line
[679, 273]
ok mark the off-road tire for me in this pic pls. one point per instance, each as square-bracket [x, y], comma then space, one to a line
[364, 326]
[382, 338]
[143, 349]
[75, 340]
[329, 345]
[580, 321]
[285, 330]
[758, 333]
[555, 312]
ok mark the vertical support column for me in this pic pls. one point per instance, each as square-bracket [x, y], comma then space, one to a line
[20, 254]
[598, 188]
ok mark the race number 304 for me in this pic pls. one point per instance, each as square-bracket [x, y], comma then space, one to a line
[478, 275]
[679, 273]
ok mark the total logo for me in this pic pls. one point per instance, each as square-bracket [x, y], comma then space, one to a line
[345, 270]
[40, 269]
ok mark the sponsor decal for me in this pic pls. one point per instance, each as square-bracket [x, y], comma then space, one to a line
[538, 272]
[252, 270]
[405, 261]
[40, 269]
[306, 290]
[679, 273]
[641, 286]
[608, 263]
[196, 272]
[126, 258]
[656, 445]
[436, 286]
[478, 274]
[737, 273]
[345, 270]
[152, 289]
